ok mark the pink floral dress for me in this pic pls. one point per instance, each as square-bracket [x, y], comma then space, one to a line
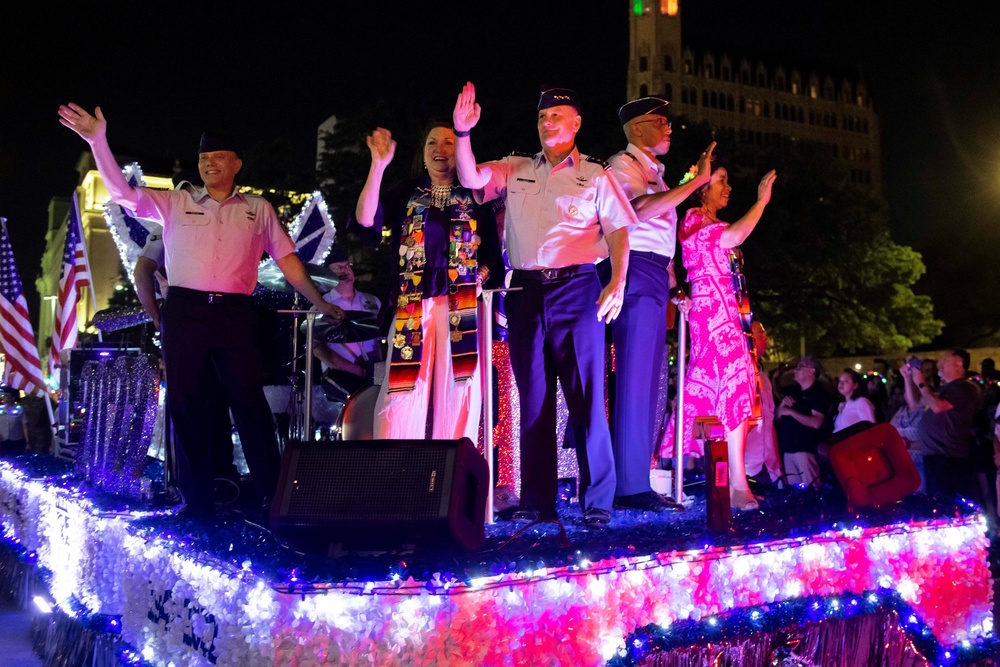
[721, 380]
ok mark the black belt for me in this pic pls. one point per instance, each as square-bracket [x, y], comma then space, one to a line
[662, 260]
[551, 275]
[208, 297]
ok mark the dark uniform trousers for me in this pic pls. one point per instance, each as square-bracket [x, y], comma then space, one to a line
[639, 334]
[554, 333]
[210, 341]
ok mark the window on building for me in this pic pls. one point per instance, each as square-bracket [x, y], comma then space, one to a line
[688, 66]
[729, 103]
[713, 100]
[668, 93]
[726, 73]
[704, 98]
[668, 63]
[643, 90]
[813, 91]
[643, 63]
[668, 7]
[767, 110]
[745, 76]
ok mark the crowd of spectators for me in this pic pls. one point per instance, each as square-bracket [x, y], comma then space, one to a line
[945, 412]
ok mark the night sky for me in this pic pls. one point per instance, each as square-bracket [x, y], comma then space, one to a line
[162, 73]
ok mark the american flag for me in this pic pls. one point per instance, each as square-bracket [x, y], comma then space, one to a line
[17, 339]
[73, 279]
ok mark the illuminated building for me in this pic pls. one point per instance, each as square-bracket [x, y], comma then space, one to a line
[757, 97]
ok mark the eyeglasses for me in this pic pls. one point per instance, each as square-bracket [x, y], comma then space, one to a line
[659, 120]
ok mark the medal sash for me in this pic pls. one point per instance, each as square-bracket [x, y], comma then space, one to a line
[406, 344]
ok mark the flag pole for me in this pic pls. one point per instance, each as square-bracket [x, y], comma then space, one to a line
[86, 256]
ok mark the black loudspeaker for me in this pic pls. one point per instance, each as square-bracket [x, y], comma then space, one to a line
[873, 465]
[381, 494]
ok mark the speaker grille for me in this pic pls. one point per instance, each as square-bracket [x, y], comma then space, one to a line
[358, 483]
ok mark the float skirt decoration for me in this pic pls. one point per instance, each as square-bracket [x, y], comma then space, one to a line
[146, 578]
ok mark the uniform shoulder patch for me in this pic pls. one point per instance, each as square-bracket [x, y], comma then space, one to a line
[596, 160]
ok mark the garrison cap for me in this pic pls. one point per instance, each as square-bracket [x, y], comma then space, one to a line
[211, 141]
[642, 106]
[553, 97]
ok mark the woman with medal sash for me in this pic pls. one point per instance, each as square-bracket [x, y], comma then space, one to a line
[448, 248]
[721, 378]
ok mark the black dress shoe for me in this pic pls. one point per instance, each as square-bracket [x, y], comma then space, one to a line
[530, 514]
[650, 501]
[596, 518]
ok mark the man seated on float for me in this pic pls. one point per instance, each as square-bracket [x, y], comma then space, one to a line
[347, 366]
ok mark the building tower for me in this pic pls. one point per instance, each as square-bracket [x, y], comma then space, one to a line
[759, 97]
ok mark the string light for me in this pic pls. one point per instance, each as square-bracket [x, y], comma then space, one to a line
[156, 589]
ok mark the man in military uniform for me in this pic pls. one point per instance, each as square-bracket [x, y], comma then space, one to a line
[639, 334]
[214, 237]
[564, 213]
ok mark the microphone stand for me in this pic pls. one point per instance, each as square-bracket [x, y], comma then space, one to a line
[301, 429]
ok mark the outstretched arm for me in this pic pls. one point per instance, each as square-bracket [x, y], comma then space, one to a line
[910, 390]
[465, 117]
[383, 148]
[652, 205]
[295, 273]
[737, 233]
[93, 130]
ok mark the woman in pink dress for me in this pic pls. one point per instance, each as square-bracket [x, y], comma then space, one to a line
[721, 378]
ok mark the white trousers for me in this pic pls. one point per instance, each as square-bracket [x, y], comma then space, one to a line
[456, 405]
